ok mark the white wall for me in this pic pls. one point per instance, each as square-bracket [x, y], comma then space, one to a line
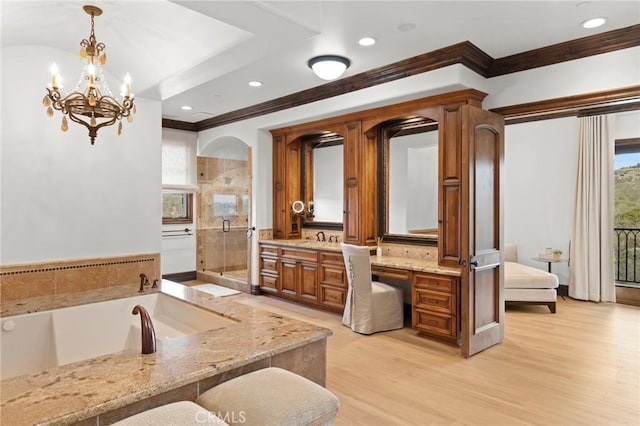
[540, 172]
[63, 198]
[628, 125]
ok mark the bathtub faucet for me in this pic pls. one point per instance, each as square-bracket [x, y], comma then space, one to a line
[148, 333]
[144, 282]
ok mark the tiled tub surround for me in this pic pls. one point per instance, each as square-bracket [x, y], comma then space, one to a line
[39, 341]
[55, 278]
[104, 389]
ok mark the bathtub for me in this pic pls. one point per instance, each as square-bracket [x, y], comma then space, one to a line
[35, 342]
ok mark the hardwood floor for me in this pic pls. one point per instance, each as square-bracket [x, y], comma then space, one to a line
[580, 366]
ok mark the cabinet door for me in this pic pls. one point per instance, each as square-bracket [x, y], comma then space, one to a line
[288, 277]
[450, 185]
[482, 294]
[360, 185]
[279, 184]
[308, 281]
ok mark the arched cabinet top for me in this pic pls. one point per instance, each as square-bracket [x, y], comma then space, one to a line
[429, 107]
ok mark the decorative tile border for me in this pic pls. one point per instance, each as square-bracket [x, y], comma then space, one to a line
[60, 268]
[69, 276]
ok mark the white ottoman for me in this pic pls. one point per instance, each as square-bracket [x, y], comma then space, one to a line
[271, 397]
[182, 413]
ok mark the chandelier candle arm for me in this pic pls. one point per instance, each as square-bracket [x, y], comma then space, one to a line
[91, 102]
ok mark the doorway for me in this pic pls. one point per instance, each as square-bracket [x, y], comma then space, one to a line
[223, 206]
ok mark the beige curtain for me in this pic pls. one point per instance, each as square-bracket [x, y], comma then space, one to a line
[591, 262]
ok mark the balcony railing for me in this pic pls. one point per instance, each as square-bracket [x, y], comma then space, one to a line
[627, 255]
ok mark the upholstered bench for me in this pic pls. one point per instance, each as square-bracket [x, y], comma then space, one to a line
[268, 397]
[271, 397]
[181, 413]
[526, 284]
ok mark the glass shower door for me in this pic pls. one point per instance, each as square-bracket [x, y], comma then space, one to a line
[224, 211]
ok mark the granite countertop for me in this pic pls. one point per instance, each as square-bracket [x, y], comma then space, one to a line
[407, 263]
[417, 265]
[308, 244]
[84, 389]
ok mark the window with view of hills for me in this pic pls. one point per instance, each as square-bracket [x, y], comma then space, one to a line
[627, 214]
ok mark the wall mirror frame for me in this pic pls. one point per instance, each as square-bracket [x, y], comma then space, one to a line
[386, 131]
[311, 143]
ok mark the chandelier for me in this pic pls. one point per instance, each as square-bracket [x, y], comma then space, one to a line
[91, 102]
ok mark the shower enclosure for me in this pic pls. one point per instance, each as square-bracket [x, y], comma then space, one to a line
[223, 213]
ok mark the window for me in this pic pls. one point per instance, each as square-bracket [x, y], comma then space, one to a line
[178, 176]
[177, 207]
[627, 211]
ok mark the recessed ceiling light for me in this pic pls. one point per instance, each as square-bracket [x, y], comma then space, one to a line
[367, 41]
[407, 26]
[186, 107]
[594, 22]
[255, 83]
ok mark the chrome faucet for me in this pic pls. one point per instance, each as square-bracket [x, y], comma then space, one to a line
[323, 236]
[144, 282]
[148, 333]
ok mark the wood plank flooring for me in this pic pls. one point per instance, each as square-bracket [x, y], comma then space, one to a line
[580, 366]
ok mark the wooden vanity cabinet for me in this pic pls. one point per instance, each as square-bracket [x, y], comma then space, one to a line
[298, 274]
[435, 305]
[306, 276]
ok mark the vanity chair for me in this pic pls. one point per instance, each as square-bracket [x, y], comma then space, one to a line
[371, 306]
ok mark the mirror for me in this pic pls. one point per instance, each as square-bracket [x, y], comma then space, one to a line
[409, 161]
[323, 179]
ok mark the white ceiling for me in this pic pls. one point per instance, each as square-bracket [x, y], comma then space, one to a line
[203, 53]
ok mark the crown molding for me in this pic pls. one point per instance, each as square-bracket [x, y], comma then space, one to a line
[465, 53]
[603, 102]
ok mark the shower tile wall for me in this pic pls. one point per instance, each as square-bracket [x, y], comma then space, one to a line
[227, 180]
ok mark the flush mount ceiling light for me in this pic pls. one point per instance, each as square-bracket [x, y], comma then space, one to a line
[329, 67]
[186, 108]
[255, 83]
[594, 22]
[91, 102]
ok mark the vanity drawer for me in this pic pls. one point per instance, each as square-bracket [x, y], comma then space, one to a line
[269, 282]
[383, 271]
[434, 301]
[435, 283]
[268, 250]
[332, 296]
[269, 265]
[298, 254]
[334, 275]
[331, 257]
[435, 324]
